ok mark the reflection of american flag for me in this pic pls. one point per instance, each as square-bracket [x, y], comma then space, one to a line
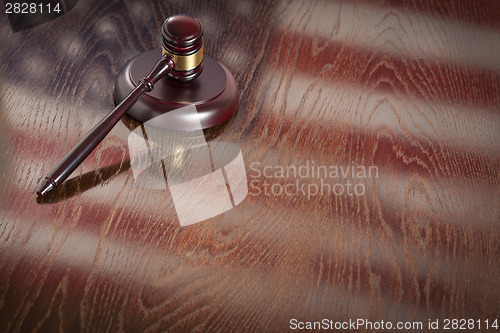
[416, 93]
[411, 88]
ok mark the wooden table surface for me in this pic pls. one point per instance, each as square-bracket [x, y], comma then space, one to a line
[410, 88]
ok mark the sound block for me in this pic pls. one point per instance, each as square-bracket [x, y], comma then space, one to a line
[213, 92]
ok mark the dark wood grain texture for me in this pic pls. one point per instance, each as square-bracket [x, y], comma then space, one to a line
[411, 87]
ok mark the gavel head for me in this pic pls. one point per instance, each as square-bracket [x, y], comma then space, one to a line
[182, 41]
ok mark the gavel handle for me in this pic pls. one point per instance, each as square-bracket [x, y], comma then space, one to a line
[86, 145]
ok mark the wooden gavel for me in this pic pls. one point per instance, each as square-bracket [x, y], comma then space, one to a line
[181, 60]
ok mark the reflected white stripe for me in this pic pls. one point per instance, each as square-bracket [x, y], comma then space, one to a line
[25, 111]
[383, 29]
